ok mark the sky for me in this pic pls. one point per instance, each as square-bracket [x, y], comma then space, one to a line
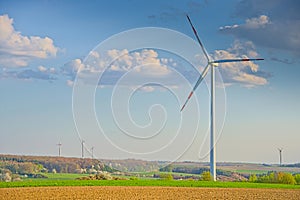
[114, 74]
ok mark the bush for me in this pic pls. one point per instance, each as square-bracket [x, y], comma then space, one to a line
[103, 176]
[288, 179]
[206, 176]
[134, 178]
[166, 176]
[253, 178]
[277, 177]
[5, 175]
[297, 178]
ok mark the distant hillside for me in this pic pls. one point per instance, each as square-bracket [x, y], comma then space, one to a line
[134, 165]
[36, 164]
[293, 165]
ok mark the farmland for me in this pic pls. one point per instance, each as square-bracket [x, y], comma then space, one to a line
[139, 184]
[138, 192]
[63, 186]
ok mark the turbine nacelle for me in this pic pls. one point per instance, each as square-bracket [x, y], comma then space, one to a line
[213, 64]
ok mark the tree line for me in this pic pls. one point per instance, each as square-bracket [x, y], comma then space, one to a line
[37, 164]
[276, 177]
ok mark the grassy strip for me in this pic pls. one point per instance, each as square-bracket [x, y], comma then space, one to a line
[164, 183]
[63, 176]
[245, 171]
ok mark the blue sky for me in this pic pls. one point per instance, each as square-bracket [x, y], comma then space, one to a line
[51, 93]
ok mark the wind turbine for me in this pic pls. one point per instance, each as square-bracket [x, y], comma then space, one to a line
[92, 150]
[59, 148]
[280, 156]
[211, 64]
[82, 148]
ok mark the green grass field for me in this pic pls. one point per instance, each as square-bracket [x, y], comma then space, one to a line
[163, 183]
[62, 179]
[141, 174]
[63, 176]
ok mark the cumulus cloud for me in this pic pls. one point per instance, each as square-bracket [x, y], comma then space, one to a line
[71, 68]
[147, 65]
[115, 63]
[272, 24]
[246, 73]
[41, 73]
[17, 50]
[257, 22]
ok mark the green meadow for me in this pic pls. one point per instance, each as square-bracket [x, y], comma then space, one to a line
[69, 180]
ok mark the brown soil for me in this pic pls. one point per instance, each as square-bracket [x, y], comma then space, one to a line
[123, 192]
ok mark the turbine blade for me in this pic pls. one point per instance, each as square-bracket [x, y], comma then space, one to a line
[186, 101]
[196, 85]
[198, 39]
[201, 77]
[237, 60]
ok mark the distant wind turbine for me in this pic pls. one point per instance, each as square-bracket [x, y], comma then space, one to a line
[92, 151]
[59, 148]
[280, 156]
[210, 65]
[82, 148]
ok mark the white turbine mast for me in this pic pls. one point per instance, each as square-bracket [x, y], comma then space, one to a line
[92, 152]
[82, 148]
[211, 64]
[280, 156]
[59, 148]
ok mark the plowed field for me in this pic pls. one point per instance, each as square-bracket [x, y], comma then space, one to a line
[124, 192]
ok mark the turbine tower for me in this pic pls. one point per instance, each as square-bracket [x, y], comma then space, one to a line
[82, 148]
[211, 64]
[59, 148]
[92, 151]
[280, 156]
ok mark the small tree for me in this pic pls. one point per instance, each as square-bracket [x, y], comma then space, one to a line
[5, 175]
[206, 176]
[253, 178]
[166, 176]
[297, 178]
[288, 179]
[167, 168]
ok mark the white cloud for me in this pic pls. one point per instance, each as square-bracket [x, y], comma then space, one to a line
[257, 22]
[42, 68]
[253, 23]
[18, 50]
[246, 73]
[280, 34]
[147, 88]
[115, 63]
[146, 66]
[125, 61]
[250, 80]
[70, 83]
[30, 74]
[72, 67]
[50, 70]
